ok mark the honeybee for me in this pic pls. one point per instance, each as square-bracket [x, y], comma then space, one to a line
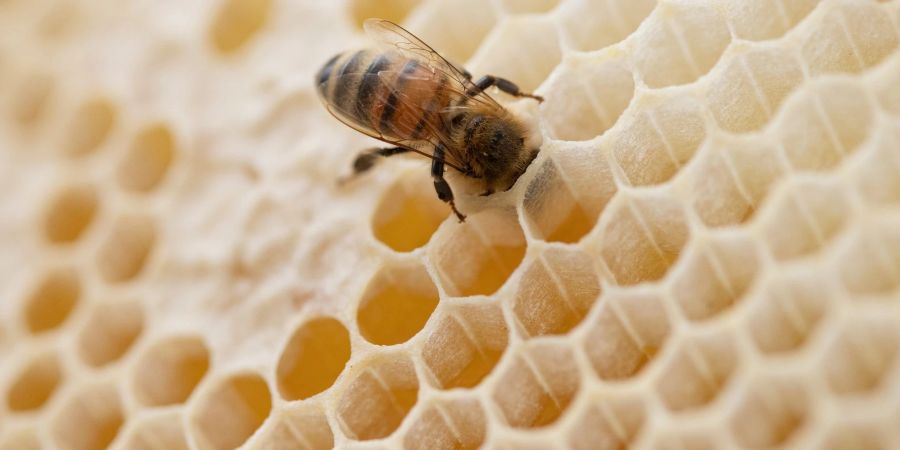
[406, 94]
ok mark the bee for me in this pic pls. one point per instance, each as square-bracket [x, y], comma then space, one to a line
[407, 95]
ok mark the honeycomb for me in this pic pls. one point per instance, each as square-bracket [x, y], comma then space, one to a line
[705, 254]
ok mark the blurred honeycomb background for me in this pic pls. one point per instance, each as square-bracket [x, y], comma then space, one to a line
[706, 253]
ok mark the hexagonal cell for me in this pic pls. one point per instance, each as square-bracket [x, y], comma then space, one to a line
[89, 419]
[303, 426]
[565, 198]
[747, 92]
[408, 212]
[448, 424]
[557, 290]
[715, 274]
[393, 10]
[465, 346]
[538, 385]
[770, 413]
[477, 257]
[90, 126]
[167, 372]
[697, 372]
[824, 124]
[127, 248]
[501, 53]
[227, 414]
[628, 333]
[679, 43]
[787, 311]
[590, 92]
[862, 356]
[641, 237]
[70, 213]
[869, 263]
[610, 422]
[591, 25]
[850, 38]
[766, 19]
[397, 303]
[148, 159]
[30, 99]
[236, 22]
[437, 24]
[662, 135]
[52, 300]
[157, 432]
[313, 358]
[109, 332]
[875, 173]
[376, 401]
[34, 384]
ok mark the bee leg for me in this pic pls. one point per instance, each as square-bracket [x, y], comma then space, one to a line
[440, 184]
[503, 84]
[366, 160]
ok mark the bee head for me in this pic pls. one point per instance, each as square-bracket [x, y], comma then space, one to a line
[497, 145]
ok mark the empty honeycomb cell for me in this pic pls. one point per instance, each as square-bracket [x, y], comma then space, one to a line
[563, 201]
[858, 437]
[110, 330]
[770, 412]
[398, 301]
[89, 419]
[654, 143]
[236, 22]
[477, 257]
[448, 424]
[466, 346]
[608, 423]
[591, 25]
[850, 37]
[148, 159]
[861, 357]
[50, 303]
[35, 384]
[786, 312]
[698, 371]
[628, 333]
[304, 426]
[679, 42]
[557, 290]
[227, 414]
[824, 124]
[524, 49]
[590, 93]
[378, 398]
[749, 90]
[876, 174]
[537, 386]
[435, 23]
[313, 358]
[714, 275]
[90, 125]
[158, 432]
[804, 218]
[641, 237]
[126, 250]
[870, 263]
[408, 213]
[70, 213]
[766, 19]
[167, 372]
[30, 100]
[393, 10]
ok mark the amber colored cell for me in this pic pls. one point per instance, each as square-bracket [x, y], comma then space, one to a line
[225, 416]
[90, 126]
[301, 425]
[35, 384]
[127, 247]
[168, 372]
[396, 304]
[409, 213]
[158, 432]
[110, 330]
[236, 22]
[313, 358]
[477, 336]
[89, 420]
[698, 373]
[457, 424]
[378, 399]
[393, 10]
[70, 213]
[54, 298]
[31, 98]
[148, 159]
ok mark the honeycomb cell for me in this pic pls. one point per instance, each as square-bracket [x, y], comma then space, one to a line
[477, 257]
[855, 436]
[591, 25]
[875, 174]
[641, 237]
[436, 24]
[628, 333]
[466, 346]
[236, 22]
[148, 159]
[523, 49]
[70, 213]
[408, 213]
[697, 373]
[226, 415]
[35, 384]
[870, 261]
[770, 413]
[304, 426]
[448, 424]
[766, 19]
[557, 290]
[50, 303]
[380, 396]
[714, 275]
[679, 43]
[89, 419]
[851, 37]
[787, 312]
[397, 303]
[590, 92]
[608, 423]
[123, 255]
[157, 432]
[861, 357]
[393, 10]
[110, 330]
[537, 386]
[572, 187]
[167, 372]
[29, 101]
[89, 127]
[313, 358]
